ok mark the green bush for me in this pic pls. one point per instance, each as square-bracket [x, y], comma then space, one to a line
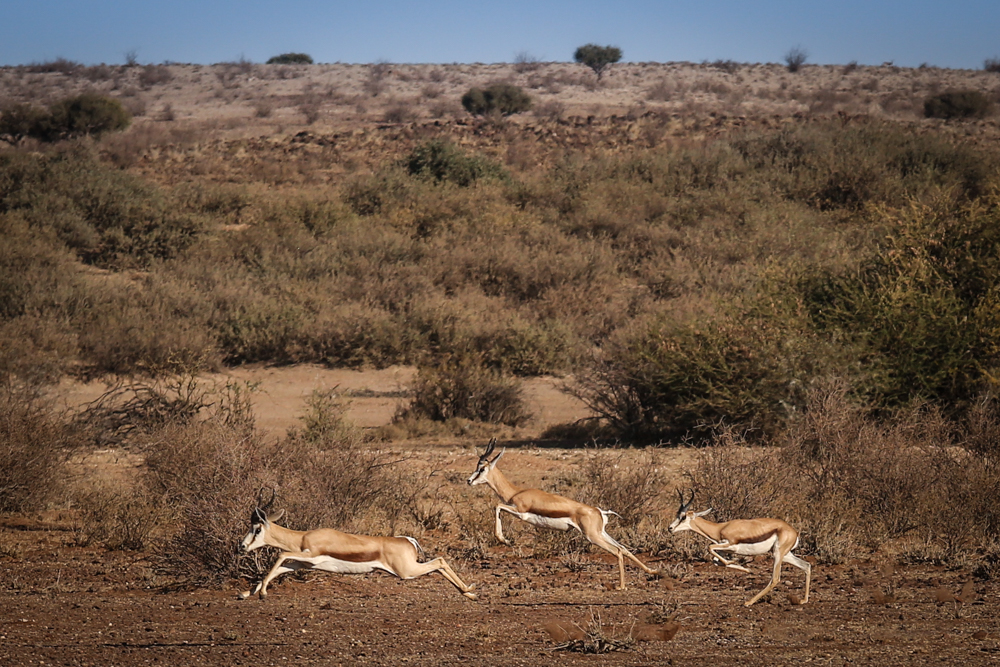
[443, 161]
[958, 104]
[923, 308]
[86, 114]
[18, 121]
[291, 59]
[597, 58]
[501, 98]
[673, 381]
[108, 217]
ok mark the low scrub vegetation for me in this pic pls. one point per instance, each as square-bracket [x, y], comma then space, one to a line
[849, 481]
[958, 104]
[88, 114]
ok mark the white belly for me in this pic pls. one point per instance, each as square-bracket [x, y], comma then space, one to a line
[329, 564]
[754, 549]
[562, 523]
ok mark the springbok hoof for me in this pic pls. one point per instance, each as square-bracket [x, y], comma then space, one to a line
[244, 595]
[471, 596]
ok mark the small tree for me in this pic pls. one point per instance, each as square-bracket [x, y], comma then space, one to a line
[291, 59]
[502, 98]
[796, 58]
[84, 114]
[992, 65]
[597, 58]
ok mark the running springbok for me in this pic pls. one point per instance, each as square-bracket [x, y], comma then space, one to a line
[547, 510]
[333, 551]
[747, 537]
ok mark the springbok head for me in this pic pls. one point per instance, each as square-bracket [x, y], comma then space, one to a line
[485, 464]
[684, 514]
[260, 522]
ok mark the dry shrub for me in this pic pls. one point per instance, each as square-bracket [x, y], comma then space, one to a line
[852, 483]
[460, 386]
[127, 518]
[627, 483]
[324, 476]
[34, 442]
[132, 408]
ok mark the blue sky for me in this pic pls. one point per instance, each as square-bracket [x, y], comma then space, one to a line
[955, 34]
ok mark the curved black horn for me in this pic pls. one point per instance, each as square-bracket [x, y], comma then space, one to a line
[260, 496]
[685, 505]
[489, 449]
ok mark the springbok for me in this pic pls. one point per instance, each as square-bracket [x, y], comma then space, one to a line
[747, 537]
[547, 510]
[333, 551]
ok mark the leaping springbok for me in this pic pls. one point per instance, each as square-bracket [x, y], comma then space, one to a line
[747, 537]
[333, 551]
[548, 510]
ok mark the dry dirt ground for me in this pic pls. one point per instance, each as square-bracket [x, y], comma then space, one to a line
[65, 604]
[62, 604]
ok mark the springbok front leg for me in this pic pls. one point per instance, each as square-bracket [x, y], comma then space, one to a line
[498, 529]
[287, 562]
[714, 550]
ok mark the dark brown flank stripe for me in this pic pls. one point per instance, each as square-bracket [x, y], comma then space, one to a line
[762, 538]
[356, 556]
[553, 514]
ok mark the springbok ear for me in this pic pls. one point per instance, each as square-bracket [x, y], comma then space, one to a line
[497, 457]
[275, 516]
[703, 513]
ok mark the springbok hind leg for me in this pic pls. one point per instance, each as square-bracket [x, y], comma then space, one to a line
[803, 565]
[413, 570]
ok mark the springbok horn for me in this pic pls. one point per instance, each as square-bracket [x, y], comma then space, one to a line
[270, 502]
[489, 449]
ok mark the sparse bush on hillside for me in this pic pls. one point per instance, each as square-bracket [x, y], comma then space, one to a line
[796, 58]
[86, 114]
[991, 64]
[18, 121]
[291, 59]
[525, 62]
[60, 65]
[443, 161]
[597, 58]
[958, 104]
[500, 98]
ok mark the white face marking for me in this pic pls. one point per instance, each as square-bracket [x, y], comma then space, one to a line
[254, 539]
[479, 477]
[681, 523]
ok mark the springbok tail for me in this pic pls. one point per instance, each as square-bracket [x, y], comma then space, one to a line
[416, 545]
